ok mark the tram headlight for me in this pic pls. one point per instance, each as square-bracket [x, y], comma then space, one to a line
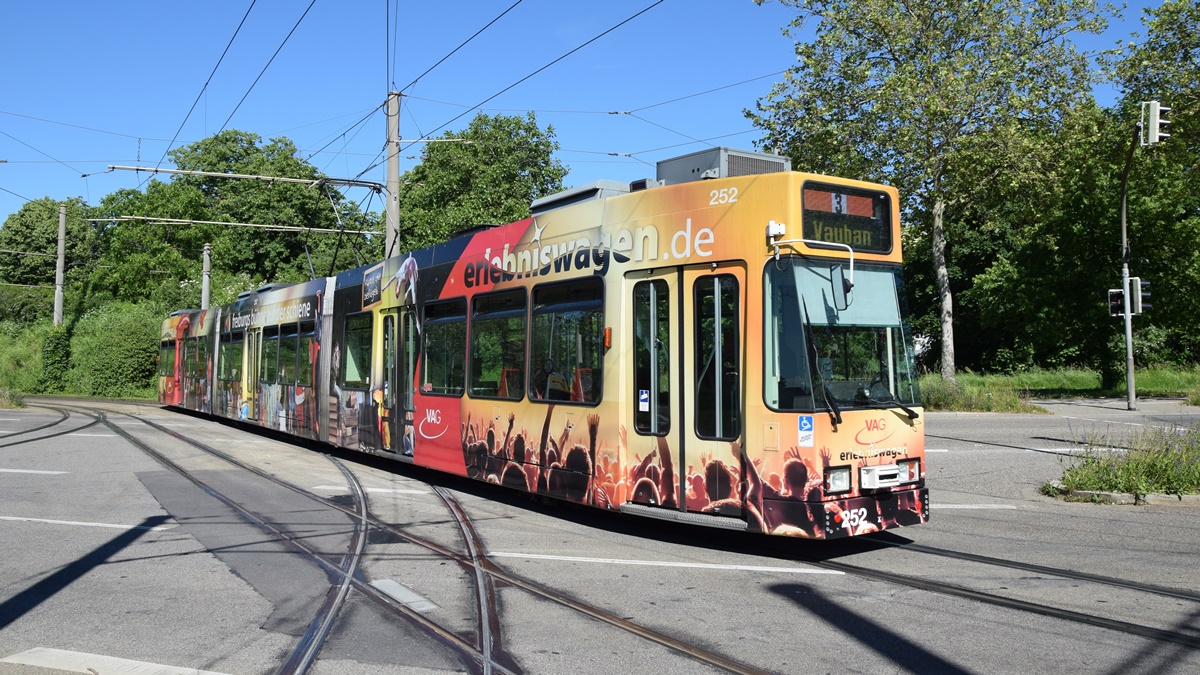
[837, 479]
[910, 470]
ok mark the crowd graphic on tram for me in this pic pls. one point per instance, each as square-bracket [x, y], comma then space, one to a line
[584, 469]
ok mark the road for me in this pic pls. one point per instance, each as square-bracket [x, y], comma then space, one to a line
[110, 556]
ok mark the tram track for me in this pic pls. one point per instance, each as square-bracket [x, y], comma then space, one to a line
[483, 655]
[60, 420]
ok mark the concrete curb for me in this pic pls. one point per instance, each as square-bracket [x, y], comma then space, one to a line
[1124, 498]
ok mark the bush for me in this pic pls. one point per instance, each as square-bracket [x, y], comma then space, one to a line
[114, 351]
[56, 360]
[1158, 460]
[10, 398]
[21, 355]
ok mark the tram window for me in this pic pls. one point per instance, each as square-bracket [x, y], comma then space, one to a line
[566, 349]
[718, 357]
[408, 322]
[652, 357]
[202, 357]
[268, 370]
[498, 345]
[356, 351]
[304, 367]
[787, 379]
[389, 356]
[287, 354]
[444, 346]
[166, 358]
[231, 357]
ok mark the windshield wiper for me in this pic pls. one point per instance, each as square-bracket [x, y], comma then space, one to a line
[892, 402]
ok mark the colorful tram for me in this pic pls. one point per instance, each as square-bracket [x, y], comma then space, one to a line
[725, 345]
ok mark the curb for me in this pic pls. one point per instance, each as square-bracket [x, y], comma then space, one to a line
[1124, 498]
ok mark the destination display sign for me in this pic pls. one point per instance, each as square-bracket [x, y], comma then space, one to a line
[860, 219]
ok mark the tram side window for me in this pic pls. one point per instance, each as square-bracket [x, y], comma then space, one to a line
[787, 379]
[268, 365]
[287, 354]
[202, 357]
[566, 352]
[498, 345]
[652, 357]
[231, 357]
[444, 347]
[308, 339]
[718, 357]
[166, 358]
[356, 352]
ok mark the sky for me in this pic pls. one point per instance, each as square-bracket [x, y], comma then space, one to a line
[85, 84]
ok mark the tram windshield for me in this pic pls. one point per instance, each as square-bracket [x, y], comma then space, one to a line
[817, 357]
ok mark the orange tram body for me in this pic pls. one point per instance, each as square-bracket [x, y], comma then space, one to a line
[730, 352]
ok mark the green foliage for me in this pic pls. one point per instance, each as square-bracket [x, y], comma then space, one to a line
[11, 398]
[970, 393]
[21, 355]
[56, 360]
[114, 351]
[500, 166]
[1151, 460]
[34, 229]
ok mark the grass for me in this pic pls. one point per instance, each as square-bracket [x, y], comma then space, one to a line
[1162, 460]
[11, 398]
[1012, 393]
[975, 393]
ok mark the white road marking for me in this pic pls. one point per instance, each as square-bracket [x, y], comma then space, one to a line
[928, 450]
[73, 522]
[49, 473]
[81, 662]
[404, 594]
[399, 491]
[75, 433]
[659, 563]
[936, 505]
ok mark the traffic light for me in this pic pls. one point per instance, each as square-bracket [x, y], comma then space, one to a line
[1139, 300]
[1116, 302]
[1155, 130]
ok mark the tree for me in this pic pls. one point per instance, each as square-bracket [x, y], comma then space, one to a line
[937, 97]
[491, 175]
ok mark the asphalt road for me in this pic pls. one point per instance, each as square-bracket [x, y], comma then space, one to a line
[109, 556]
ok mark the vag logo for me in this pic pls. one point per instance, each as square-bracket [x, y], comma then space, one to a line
[873, 431]
[432, 424]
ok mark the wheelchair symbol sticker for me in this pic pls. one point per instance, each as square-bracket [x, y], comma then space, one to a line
[806, 436]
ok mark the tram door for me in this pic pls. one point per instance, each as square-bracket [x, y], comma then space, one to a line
[713, 366]
[400, 359]
[250, 396]
[687, 387]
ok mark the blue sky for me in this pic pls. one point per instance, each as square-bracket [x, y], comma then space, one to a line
[88, 84]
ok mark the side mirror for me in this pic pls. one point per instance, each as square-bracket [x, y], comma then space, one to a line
[841, 287]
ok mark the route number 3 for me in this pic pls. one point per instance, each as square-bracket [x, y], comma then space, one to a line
[723, 196]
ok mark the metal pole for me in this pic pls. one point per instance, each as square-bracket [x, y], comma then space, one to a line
[393, 175]
[1130, 392]
[58, 267]
[204, 283]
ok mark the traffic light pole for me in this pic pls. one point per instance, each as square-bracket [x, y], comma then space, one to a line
[1130, 393]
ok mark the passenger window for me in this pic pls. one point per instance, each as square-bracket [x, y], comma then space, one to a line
[356, 352]
[567, 342]
[444, 347]
[498, 345]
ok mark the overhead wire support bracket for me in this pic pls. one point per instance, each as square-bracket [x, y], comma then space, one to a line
[310, 182]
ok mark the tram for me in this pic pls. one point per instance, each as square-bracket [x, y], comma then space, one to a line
[724, 345]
